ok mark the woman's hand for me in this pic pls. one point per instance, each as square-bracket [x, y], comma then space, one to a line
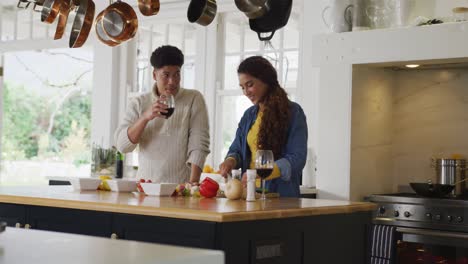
[227, 166]
[155, 111]
[244, 180]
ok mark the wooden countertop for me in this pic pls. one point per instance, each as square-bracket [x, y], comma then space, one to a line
[35, 246]
[205, 209]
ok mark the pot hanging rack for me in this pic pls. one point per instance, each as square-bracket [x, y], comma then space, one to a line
[114, 26]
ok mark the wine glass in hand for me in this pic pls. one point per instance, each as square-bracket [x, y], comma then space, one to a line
[169, 101]
[264, 163]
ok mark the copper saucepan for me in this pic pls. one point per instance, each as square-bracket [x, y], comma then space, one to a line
[82, 23]
[102, 36]
[65, 8]
[120, 22]
[50, 10]
[148, 7]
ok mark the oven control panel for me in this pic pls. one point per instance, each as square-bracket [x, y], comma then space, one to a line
[422, 213]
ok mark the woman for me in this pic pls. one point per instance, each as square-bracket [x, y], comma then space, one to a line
[272, 123]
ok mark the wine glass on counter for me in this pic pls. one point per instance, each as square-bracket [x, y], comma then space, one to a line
[264, 163]
[170, 102]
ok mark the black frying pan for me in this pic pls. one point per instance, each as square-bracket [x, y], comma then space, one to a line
[435, 190]
[274, 19]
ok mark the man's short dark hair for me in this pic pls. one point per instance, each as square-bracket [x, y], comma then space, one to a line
[167, 56]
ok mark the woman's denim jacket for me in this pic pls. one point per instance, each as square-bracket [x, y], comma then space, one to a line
[292, 159]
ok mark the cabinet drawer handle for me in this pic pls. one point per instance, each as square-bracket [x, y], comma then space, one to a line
[114, 236]
[18, 225]
[27, 226]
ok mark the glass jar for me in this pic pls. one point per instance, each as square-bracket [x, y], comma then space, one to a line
[460, 14]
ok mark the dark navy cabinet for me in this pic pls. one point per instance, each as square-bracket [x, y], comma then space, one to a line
[13, 214]
[70, 221]
[190, 233]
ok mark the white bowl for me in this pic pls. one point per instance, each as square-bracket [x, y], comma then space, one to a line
[158, 189]
[122, 185]
[85, 184]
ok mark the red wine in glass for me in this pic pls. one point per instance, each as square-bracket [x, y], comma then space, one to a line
[170, 111]
[264, 173]
[264, 163]
[169, 101]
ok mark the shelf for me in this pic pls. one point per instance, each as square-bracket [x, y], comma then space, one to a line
[425, 43]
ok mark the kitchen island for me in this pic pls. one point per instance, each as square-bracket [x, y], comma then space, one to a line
[278, 230]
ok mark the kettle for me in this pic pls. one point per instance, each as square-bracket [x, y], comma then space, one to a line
[276, 18]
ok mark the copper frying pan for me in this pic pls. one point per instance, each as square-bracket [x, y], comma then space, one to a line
[50, 10]
[102, 36]
[120, 22]
[65, 8]
[148, 7]
[82, 23]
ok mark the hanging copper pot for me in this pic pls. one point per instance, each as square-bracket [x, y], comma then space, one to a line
[120, 22]
[50, 10]
[101, 35]
[82, 23]
[148, 7]
[65, 8]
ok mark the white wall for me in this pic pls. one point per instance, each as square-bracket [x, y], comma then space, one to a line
[371, 132]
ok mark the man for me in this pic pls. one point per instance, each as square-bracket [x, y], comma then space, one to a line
[177, 156]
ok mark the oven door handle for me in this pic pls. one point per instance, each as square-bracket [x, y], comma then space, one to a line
[412, 231]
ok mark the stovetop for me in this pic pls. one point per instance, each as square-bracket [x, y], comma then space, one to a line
[412, 210]
[418, 199]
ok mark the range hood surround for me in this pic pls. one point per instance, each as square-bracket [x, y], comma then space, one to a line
[379, 53]
[402, 118]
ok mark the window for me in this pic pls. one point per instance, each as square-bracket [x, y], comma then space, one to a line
[152, 35]
[46, 118]
[241, 42]
[22, 24]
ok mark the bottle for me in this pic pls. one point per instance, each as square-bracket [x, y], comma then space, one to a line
[251, 176]
[118, 165]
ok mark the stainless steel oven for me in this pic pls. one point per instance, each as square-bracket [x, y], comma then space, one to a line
[430, 246]
[428, 230]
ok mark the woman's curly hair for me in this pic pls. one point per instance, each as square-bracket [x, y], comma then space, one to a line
[276, 111]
